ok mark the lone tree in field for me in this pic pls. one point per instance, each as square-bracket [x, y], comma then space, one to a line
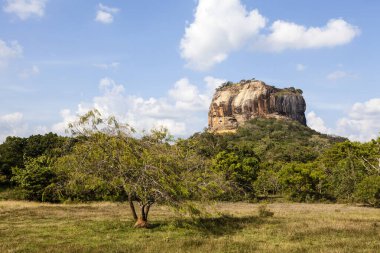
[149, 170]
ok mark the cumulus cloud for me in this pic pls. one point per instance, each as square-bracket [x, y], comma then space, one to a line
[212, 83]
[105, 14]
[317, 123]
[12, 124]
[361, 123]
[9, 51]
[25, 9]
[182, 110]
[219, 28]
[287, 35]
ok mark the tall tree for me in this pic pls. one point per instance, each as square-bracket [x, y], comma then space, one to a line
[149, 170]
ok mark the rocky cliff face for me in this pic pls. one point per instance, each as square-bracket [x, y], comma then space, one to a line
[234, 104]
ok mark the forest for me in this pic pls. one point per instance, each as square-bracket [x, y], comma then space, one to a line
[267, 159]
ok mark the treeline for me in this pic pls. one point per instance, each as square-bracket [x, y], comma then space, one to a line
[270, 158]
[267, 158]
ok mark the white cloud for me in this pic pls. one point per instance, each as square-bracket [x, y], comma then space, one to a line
[316, 123]
[362, 122]
[112, 65]
[12, 125]
[300, 67]
[67, 117]
[28, 73]
[287, 35]
[9, 51]
[105, 14]
[187, 96]
[212, 83]
[183, 111]
[219, 28]
[25, 9]
[339, 74]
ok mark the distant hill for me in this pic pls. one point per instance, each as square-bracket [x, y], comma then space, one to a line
[272, 140]
[235, 103]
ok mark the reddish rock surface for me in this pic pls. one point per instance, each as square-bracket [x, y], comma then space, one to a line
[234, 104]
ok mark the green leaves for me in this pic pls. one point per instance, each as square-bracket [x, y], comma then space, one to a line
[304, 182]
[34, 178]
[240, 169]
[368, 191]
[108, 160]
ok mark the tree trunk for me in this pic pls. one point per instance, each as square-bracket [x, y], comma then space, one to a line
[147, 211]
[142, 221]
[132, 206]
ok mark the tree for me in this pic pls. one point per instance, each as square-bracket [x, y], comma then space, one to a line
[304, 182]
[347, 164]
[11, 155]
[368, 191]
[34, 178]
[148, 170]
[267, 182]
[238, 166]
[49, 144]
[16, 151]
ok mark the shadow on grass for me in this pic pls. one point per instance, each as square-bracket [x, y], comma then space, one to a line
[222, 225]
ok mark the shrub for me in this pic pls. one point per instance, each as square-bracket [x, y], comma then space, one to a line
[368, 191]
[304, 182]
[34, 178]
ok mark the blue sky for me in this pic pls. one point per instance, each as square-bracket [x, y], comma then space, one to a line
[154, 63]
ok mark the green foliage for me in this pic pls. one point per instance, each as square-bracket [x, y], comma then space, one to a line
[205, 144]
[15, 151]
[11, 155]
[239, 168]
[103, 160]
[304, 182]
[267, 183]
[270, 139]
[49, 144]
[368, 191]
[107, 161]
[347, 164]
[3, 179]
[225, 85]
[34, 178]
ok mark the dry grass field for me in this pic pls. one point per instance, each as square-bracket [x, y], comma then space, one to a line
[233, 227]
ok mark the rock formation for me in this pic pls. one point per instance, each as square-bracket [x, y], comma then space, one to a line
[235, 103]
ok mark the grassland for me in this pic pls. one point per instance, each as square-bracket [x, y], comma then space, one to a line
[107, 227]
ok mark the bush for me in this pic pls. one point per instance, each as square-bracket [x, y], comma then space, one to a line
[237, 167]
[368, 191]
[34, 178]
[304, 182]
[267, 182]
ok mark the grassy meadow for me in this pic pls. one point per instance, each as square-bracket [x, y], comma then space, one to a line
[231, 227]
